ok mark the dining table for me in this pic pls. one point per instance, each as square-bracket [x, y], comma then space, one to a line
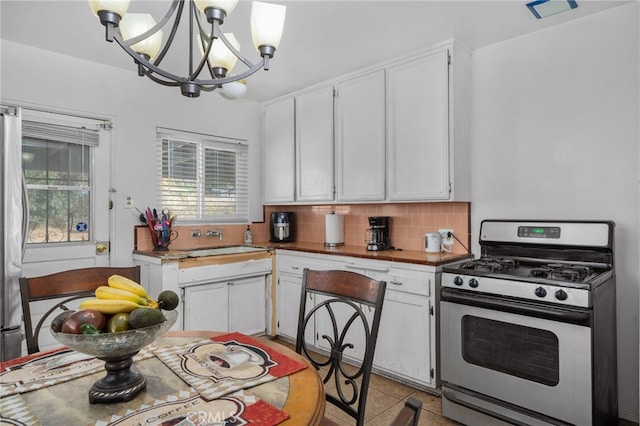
[299, 395]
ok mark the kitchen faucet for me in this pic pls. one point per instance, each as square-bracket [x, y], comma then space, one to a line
[212, 233]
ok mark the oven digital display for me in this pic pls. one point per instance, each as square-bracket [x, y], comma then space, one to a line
[539, 231]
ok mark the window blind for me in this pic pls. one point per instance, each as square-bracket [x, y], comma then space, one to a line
[203, 177]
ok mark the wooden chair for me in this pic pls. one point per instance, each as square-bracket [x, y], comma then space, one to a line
[346, 305]
[69, 285]
[409, 414]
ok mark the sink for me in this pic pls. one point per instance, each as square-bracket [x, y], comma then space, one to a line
[217, 251]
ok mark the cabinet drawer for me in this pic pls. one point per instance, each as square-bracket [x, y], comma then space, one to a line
[405, 280]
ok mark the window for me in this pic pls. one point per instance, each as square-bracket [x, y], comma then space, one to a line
[203, 178]
[57, 165]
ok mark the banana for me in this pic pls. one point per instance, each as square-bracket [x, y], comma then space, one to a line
[110, 306]
[124, 283]
[110, 293]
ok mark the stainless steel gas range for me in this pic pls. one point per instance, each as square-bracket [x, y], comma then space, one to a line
[528, 330]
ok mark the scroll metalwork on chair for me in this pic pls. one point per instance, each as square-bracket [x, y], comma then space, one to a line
[66, 286]
[337, 331]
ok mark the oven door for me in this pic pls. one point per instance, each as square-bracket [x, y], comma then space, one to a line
[530, 358]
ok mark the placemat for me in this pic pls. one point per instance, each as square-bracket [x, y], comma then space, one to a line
[44, 369]
[227, 363]
[189, 408]
[14, 411]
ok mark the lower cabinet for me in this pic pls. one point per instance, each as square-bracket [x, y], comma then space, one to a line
[406, 345]
[221, 296]
[234, 305]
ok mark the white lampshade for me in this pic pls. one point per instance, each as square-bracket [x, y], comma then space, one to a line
[267, 23]
[234, 90]
[226, 5]
[117, 6]
[220, 55]
[134, 24]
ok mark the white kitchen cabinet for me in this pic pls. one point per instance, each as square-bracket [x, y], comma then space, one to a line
[406, 345]
[314, 145]
[427, 127]
[229, 305]
[222, 296]
[360, 138]
[279, 152]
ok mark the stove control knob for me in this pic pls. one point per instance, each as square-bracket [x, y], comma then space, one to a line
[561, 295]
[541, 292]
[473, 283]
[458, 281]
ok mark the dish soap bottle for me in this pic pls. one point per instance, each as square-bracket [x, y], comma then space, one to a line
[248, 236]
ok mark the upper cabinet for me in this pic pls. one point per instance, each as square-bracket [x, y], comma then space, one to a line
[279, 152]
[418, 130]
[398, 132]
[314, 145]
[360, 138]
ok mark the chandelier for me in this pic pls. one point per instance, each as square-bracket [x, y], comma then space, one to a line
[217, 52]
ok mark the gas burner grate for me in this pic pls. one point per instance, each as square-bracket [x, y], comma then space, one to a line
[562, 272]
[490, 264]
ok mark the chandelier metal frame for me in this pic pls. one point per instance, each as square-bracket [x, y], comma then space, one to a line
[191, 85]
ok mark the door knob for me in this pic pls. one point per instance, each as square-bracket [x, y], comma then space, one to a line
[102, 248]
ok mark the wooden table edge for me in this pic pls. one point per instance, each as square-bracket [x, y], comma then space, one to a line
[304, 409]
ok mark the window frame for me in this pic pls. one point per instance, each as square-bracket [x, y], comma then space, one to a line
[202, 143]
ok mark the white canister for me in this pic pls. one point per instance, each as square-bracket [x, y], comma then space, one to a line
[432, 242]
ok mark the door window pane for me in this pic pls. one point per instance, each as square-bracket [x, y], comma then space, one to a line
[57, 175]
[525, 352]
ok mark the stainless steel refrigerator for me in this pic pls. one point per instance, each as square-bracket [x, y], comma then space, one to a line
[13, 231]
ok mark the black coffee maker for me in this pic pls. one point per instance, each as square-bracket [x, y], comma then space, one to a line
[283, 227]
[377, 236]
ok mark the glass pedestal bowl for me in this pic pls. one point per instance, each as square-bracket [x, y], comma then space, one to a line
[122, 383]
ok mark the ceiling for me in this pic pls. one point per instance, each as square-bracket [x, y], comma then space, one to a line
[322, 39]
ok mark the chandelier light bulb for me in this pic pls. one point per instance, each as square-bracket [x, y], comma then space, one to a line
[220, 56]
[134, 24]
[267, 23]
[234, 90]
[118, 7]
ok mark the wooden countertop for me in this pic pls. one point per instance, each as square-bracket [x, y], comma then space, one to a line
[407, 256]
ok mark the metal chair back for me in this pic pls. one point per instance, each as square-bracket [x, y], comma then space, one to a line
[67, 285]
[343, 309]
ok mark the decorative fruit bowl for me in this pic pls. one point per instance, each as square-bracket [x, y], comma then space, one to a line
[117, 350]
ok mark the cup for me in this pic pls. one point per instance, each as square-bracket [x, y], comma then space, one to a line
[162, 239]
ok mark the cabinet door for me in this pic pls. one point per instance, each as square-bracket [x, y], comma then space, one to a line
[404, 337]
[279, 152]
[288, 305]
[206, 307]
[314, 145]
[247, 305]
[418, 129]
[360, 138]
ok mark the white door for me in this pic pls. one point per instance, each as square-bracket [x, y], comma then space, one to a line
[206, 307]
[279, 152]
[62, 167]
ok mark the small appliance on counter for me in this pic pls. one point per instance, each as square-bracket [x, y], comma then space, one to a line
[283, 227]
[377, 236]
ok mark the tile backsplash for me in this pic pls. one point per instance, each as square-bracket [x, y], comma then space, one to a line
[409, 223]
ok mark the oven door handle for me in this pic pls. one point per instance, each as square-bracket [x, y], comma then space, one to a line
[571, 315]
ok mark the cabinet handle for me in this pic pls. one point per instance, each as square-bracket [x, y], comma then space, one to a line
[394, 282]
[230, 283]
[368, 268]
[295, 268]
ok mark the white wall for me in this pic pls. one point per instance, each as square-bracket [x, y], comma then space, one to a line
[555, 135]
[136, 106]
